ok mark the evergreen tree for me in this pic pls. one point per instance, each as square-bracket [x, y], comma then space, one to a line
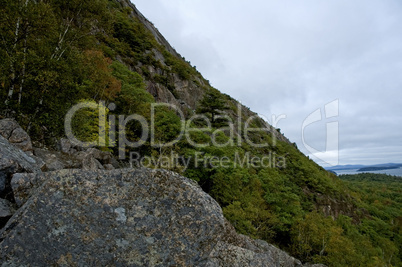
[213, 104]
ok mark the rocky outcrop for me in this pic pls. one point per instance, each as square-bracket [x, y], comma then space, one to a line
[13, 160]
[13, 132]
[126, 218]
[333, 207]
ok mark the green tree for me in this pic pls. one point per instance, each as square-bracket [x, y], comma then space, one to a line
[213, 104]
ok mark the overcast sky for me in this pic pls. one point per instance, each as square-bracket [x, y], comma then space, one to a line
[294, 57]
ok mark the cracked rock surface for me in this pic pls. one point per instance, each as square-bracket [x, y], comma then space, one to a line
[120, 218]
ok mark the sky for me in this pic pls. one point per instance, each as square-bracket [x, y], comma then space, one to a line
[333, 68]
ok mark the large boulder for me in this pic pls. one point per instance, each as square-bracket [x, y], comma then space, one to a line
[126, 218]
[12, 131]
[119, 218]
[13, 160]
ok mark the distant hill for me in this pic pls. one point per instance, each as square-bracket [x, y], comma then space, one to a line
[360, 167]
[344, 167]
[378, 168]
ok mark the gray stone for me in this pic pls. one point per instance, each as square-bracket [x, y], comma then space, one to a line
[92, 159]
[13, 132]
[239, 250]
[6, 209]
[22, 184]
[125, 217]
[102, 156]
[91, 164]
[109, 167]
[7, 126]
[55, 160]
[7, 166]
[13, 160]
[10, 152]
[119, 218]
[64, 145]
[53, 163]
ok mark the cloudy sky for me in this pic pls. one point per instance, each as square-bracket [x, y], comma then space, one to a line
[326, 65]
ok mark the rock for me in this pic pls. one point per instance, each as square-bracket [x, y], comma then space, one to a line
[55, 160]
[16, 155]
[70, 158]
[7, 166]
[92, 159]
[13, 132]
[91, 164]
[125, 217]
[102, 156]
[6, 208]
[108, 167]
[239, 250]
[22, 184]
[6, 211]
[134, 218]
[13, 160]
[7, 126]
[53, 163]
[64, 145]
[115, 163]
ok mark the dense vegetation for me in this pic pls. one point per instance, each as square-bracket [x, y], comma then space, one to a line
[381, 196]
[58, 53]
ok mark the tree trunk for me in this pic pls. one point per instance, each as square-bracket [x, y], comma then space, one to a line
[23, 70]
[12, 67]
[13, 60]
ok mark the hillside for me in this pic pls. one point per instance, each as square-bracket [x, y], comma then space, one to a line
[58, 54]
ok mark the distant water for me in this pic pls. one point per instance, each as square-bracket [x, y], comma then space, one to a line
[396, 172]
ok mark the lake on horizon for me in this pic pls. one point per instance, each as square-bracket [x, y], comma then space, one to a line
[396, 172]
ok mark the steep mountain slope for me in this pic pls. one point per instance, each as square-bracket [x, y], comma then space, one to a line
[60, 53]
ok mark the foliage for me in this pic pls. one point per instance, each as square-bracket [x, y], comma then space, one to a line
[179, 66]
[213, 104]
[85, 125]
[131, 37]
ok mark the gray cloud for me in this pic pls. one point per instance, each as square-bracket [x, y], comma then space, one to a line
[293, 57]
